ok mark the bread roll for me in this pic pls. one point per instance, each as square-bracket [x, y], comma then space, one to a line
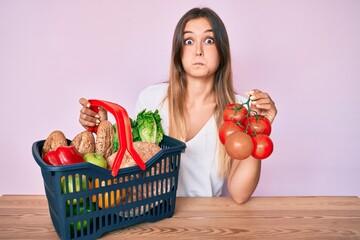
[84, 142]
[53, 141]
[104, 139]
[146, 150]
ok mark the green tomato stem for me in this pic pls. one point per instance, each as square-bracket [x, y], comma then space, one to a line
[249, 113]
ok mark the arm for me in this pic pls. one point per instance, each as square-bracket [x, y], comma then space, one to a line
[245, 174]
[243, 178]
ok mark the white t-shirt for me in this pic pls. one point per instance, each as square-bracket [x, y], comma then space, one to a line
[198, 174]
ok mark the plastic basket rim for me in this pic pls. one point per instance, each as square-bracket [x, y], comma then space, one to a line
[76, 166]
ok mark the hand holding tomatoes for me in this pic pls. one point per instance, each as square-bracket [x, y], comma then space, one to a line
[262, 103]
[245, 133]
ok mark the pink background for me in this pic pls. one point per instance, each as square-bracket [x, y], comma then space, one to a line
[306, 54]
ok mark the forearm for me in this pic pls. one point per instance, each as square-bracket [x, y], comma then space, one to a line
[243, 178]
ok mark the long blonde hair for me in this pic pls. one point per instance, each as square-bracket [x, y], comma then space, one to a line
[223, 84]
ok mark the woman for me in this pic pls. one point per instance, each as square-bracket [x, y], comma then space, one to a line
[191, 103]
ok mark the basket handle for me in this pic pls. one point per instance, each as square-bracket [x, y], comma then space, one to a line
[124, 133]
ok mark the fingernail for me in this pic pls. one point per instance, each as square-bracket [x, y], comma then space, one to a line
[97, 121]
[251, 92]
[253, 102]
[97, 116]
[88, 105]
[252, 97]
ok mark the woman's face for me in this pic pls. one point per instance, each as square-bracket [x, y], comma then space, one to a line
[200, 57]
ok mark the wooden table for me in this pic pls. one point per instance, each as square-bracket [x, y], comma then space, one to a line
[27, 217]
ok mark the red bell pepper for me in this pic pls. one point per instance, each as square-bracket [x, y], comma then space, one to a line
[63, 155]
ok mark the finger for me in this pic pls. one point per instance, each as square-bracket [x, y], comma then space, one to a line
[88, 113]
[89, 119]
[86, 124]
[259, 95]
[263, 106]
[261, 98]
[267, 109]
[252, 92]
[102, 113]
[262, 101]
[84, 102]
[256, 95]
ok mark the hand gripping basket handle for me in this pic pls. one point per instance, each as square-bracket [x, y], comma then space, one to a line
[124, 133]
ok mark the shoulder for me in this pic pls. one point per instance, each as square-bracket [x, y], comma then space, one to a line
[240, 98]
[156, 90]
[152, 97]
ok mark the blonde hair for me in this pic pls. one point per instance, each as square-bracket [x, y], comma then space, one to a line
[223, 85]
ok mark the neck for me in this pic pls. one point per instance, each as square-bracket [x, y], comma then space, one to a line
[200, 92]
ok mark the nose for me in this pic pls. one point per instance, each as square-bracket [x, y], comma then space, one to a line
[199, 50]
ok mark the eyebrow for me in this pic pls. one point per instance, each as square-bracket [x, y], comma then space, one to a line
[209, 30]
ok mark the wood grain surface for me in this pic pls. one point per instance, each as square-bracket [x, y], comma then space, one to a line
[27, 217]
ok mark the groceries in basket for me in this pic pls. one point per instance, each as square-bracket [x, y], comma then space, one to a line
[88, 200]
[101, 150]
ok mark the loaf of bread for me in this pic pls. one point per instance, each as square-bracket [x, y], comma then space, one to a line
[53, 141]
[146, 150]
[84, 142]
[104, 139]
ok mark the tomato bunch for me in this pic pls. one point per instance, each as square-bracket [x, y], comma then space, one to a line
[245, 133]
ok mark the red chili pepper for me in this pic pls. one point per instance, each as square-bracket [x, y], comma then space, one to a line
[63, 155]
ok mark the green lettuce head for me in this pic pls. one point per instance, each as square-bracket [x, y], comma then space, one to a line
[149, 126]
[146, 128]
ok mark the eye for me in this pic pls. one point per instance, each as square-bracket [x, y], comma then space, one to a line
[188, 41]
[209, 41]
